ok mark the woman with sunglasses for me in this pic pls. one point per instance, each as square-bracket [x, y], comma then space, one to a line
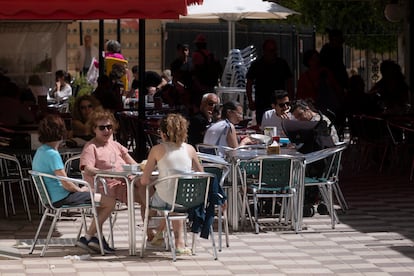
[103, 153]
[83, 108]
[280, 111]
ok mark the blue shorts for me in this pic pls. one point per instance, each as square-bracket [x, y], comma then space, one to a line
[75, 198]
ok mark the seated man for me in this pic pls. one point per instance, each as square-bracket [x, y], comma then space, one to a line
[202, 119]
[280, 111]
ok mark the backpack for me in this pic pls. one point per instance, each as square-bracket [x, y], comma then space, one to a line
[210, 71]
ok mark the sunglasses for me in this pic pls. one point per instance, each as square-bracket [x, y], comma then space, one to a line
[102, 128]
[86, 106]
[281, 105]
[211, 103]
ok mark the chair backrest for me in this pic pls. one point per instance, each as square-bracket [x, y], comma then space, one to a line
[330, 160]
[206, 148]
[72, 167]
[10, 167]
[190, 189]
[277, 172]
[221, 171]
[41, 189]
[39, 181]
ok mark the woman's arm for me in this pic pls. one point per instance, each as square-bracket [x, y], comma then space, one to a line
[232, 137]
[153, 157]
[69, 186]
[196, 165]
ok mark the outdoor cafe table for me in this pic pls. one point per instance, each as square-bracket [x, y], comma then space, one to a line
[126, 175]
[234, 156]
[239, 154]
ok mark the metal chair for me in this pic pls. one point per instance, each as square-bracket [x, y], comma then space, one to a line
[190, 190]
[328, 181]
[55, 212]
[72, 167]
[11, 172]
[278, 177]
[221, 170]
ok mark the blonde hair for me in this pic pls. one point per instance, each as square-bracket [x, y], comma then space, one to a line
[101, 114]
[174, 126]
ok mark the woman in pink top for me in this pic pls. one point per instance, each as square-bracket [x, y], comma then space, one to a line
[103, 153]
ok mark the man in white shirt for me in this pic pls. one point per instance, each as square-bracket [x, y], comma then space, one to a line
[86, 53]
[280, 111]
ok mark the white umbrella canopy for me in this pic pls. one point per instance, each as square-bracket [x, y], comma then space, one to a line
[235, 10]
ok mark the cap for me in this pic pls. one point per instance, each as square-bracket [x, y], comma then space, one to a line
[200, 38]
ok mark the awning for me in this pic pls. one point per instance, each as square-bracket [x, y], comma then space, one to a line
[93, 9]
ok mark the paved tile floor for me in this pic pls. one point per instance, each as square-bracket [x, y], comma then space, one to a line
[375, 237]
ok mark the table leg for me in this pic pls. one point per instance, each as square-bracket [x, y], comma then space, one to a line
[234, 207]
[131, 220]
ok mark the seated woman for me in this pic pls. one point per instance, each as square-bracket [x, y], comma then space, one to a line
[223, 132]
[103, 153]
[84, 106]
[62, 90]
[48, 160]
[172, 155]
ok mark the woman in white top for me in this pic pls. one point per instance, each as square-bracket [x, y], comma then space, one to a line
[62, 90]
[172, 155]
[223, 132]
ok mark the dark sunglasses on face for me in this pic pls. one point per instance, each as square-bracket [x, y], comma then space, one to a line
[102, 128]
[282, 105]
[86, 106]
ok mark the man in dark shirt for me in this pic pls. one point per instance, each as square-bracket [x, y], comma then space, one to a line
[267, 74]
[202, 119]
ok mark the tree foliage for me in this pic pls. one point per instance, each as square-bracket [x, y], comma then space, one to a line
[362, 22]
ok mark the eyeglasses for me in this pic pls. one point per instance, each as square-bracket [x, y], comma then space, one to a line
[86, 106]
[238, 113]
[102, 128]
[212, 104]
[281, 105]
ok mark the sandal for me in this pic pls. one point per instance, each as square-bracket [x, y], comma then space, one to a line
[158, 239]
[183, 251]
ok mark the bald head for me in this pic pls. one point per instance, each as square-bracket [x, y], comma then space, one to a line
[208, 102]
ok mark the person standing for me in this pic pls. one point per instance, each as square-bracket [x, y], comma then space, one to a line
[206, 71]
[267, 74]
[85, 55]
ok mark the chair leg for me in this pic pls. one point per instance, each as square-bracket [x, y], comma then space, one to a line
[340, 196]
[6, 209]
[213, 242]
[36, 237]
[226, 228]
[256, 213]
[25, 200]
[49, 234]
[144, 234]
[220, 226]
[170, 237]
[11, 199]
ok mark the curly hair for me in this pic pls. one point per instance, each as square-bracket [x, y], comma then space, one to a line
[174, 126]
[51, 128]
[77, 113]
[99, 115]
